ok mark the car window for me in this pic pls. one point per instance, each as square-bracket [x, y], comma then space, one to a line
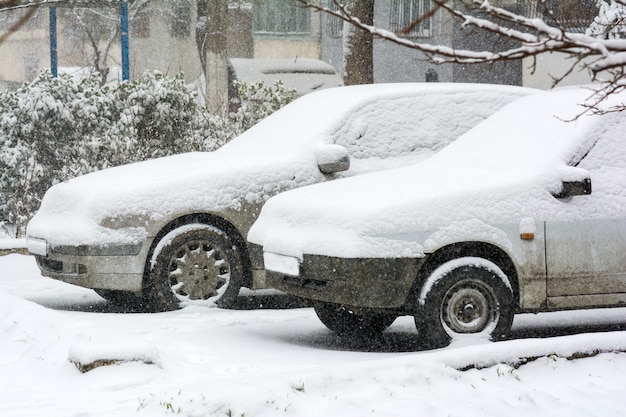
[609, 150]
[407, 125]
[606, 164]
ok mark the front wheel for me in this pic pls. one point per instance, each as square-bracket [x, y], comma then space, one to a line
[194, 262]
[467, 296]
[345, 322]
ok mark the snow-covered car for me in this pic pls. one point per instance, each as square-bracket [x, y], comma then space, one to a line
[173, 230]
[503, 220]
[304, 75]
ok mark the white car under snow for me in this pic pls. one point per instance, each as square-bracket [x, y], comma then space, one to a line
[524, 213]
[172, 230]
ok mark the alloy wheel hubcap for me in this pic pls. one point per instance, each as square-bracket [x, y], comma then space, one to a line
[198, 271]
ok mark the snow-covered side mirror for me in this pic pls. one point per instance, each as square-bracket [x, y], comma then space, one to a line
[332, 159]
[573, 188]
[574, 181]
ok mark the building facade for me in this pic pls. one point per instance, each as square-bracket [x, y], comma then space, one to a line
[164, 36]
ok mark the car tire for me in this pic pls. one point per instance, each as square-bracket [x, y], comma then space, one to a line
[467, 296]
[194, 262]
[345, 322]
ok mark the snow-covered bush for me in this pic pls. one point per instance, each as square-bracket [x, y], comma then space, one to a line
[610, 22]
[259, 101]
[56, 128]
[44, 127]
[156, 118]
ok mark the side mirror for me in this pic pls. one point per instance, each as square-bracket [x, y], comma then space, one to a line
[332, 159]
[573, 188]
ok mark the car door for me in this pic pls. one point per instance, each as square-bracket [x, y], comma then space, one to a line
[586, 239]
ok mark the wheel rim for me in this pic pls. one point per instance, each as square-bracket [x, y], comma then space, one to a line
[198, 271]
[470, 306]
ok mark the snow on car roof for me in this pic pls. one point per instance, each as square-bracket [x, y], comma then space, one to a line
[302, 74]
[339, 115]
[492, 172]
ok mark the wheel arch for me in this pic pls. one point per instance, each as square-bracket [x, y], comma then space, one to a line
[213, 220]
[447, 253]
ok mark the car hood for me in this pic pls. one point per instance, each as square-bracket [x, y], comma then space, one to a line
[500, 172]
[116, 205]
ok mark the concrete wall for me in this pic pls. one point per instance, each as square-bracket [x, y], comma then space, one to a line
[160, 51]
[541, 72]
[23, 53]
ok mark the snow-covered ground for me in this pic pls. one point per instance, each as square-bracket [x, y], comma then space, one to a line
[268, 362]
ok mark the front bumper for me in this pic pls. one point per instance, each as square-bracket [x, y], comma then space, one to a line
[377, 283]
[111, 267]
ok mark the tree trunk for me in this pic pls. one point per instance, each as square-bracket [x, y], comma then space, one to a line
[217, 57]
[358, 52]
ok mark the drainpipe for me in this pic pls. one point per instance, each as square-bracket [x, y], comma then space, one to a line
[54, 62]
[124, 40]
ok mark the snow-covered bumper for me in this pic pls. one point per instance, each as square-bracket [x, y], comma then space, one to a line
[365, 282]
[113, 267]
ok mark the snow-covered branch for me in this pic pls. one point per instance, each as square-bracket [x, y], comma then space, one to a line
[6, 5]
[602, 48]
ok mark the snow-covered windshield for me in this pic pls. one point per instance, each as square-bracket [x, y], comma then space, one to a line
[377, 121]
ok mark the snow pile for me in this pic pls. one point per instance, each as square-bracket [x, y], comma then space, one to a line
[86, 346]
[216, 362]
[104, 348]
[7, 243]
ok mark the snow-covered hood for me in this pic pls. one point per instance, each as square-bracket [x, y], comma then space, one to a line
[500, 172]
[116, 205]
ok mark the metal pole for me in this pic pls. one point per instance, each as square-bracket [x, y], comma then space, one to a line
[124, 40]
[54, 63]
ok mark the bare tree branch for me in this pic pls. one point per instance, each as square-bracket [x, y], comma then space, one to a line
[100, 45]
[533, 35]
[14, 4]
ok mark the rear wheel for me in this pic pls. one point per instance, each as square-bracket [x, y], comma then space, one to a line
[192, 263]
[345, 322]
[467, 296]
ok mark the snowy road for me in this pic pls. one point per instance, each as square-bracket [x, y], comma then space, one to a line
[265, 362]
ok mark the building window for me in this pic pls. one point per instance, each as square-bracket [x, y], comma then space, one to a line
[406, 14]
[570, 15]
[280, 17]
[140, 24]
[334, 25]
[181, 21]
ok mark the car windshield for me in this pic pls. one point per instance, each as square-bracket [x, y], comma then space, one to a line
[377, 121]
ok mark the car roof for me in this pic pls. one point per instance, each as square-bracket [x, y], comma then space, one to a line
[304, 75]
[319, 116]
